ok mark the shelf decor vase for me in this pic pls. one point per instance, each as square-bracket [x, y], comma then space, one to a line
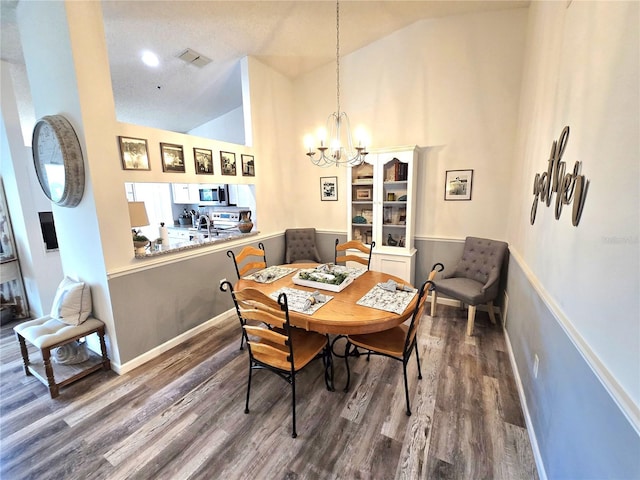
[245, 224]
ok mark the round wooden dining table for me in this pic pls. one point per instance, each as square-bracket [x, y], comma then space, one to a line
[341, 315]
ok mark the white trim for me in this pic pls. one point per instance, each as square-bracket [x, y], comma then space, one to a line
[608, 380]
[525, 408]
[160, 349]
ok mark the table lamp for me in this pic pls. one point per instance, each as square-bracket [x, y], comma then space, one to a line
[138, 218]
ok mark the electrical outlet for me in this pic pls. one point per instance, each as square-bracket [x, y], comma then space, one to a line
[536, 364]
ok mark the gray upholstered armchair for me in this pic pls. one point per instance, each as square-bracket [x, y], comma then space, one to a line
[475, 279]
[300, 246]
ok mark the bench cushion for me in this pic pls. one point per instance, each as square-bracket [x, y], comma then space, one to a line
[46, 331]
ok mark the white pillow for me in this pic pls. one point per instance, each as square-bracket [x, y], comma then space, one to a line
[72, 303]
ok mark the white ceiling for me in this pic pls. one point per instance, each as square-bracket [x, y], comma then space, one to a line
[293, 37]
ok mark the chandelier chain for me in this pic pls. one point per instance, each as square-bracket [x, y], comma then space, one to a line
[338, 54]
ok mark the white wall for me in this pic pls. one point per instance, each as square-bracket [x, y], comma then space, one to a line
[227, 128]
[582, 71]
[451, 85]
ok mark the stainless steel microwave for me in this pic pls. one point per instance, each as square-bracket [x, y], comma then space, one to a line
[215, 195]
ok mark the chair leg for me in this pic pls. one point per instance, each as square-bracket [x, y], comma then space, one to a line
[434, 301]
[346, 361]
[492, 315]
[470, 319]
[293, 403]
[25, 354]
[418, 360]
[246, 405]
[241, 342]
[406, 387]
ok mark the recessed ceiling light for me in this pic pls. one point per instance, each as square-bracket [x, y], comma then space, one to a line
[150, 59]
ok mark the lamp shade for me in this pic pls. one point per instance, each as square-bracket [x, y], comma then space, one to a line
[138, 214]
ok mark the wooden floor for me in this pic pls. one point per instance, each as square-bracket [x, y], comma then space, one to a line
[182, 415]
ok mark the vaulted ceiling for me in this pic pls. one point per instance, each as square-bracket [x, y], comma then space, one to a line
[293, 37]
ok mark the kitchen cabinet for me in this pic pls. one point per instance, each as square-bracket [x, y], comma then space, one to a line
[381, 208]
[185, 193]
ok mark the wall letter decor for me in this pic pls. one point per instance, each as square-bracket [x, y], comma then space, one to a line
[565, 186]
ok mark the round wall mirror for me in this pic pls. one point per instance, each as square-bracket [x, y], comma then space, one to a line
[57, 157]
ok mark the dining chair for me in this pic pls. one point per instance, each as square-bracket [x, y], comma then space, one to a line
[345, 252]
[283, 350]
[397, 342]
[248, 253]
[300, 246]
[475, 280]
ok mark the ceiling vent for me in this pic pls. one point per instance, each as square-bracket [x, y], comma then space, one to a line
[194, 58]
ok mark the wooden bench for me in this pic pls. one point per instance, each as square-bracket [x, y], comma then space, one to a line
[46, 333]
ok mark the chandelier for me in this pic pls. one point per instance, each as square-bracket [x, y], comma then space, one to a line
[336, 146]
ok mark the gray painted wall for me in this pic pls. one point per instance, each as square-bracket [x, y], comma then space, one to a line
[581, 432]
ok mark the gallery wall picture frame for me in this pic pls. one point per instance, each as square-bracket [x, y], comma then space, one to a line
[329, 189]
[203, 159]
[248, 165]
[228, 163]
[457, 184]
[172, 158]
[134, 153]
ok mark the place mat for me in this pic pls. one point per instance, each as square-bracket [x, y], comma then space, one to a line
[381, 299]
[297, 298]
[270, 274]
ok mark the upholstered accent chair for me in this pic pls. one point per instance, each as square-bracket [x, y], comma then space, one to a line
[475, 279]
[300, 246]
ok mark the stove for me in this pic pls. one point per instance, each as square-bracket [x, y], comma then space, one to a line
[226, 217]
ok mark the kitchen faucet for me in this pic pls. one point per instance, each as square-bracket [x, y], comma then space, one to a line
[207, 222]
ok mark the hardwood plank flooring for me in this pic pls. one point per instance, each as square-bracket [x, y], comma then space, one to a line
[181, 415]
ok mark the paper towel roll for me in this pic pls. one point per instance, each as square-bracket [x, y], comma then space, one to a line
[164, 235]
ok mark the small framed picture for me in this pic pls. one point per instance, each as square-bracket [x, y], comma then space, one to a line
[228, 163]
[248, 168]
[328, 189]
[457, 185]
[363, 194]
[204, 161]
[133, 153]
[172, 158]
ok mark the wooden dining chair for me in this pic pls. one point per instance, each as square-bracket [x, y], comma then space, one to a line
[283, 350]
[345, 252]
[397, 342]
[248, 253]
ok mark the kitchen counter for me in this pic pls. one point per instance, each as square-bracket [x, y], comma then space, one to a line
[224, 236]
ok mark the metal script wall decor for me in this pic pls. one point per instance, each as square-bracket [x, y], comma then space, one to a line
[567, 187]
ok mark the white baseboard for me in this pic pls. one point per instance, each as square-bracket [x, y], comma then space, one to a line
[527, 417]
[160, 349]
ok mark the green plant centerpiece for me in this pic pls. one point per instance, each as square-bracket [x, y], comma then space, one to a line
[139, 241]
[328, 276]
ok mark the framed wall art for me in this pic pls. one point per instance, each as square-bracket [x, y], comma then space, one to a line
[133, 153]
[457, 185]
[204, 161]
[228, 163]
[328, 188]
[248, 168]
[363, 194]
[172, 157]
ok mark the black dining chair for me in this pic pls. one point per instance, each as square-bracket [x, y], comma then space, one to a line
[397, 342]
[283, 350]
